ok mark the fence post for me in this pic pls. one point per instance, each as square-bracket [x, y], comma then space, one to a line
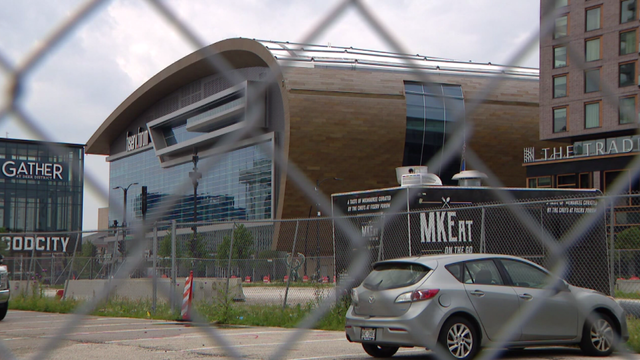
[226, 290]
[174, 270]
[73, 257]
[483, 245]
[154, 248]
[293, 251]
[52, 268]
[611, 232]
[381, 241]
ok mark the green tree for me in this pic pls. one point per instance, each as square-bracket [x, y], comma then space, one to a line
[4, 251]
[628, 240]
[89, 250]
[242, 245]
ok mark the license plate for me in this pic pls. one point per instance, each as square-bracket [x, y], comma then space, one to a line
[368, 334]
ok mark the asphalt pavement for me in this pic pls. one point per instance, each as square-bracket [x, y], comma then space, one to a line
[62, 336]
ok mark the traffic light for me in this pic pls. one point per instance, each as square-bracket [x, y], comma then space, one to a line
[121, 248]
[144, 200]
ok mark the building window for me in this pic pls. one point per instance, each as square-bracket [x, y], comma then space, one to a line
[593, 18]
[560, 86]
[432, 109]
[562, 27]
[566, 181]
[585, 181]
[627, 110]
[539, 182]
[559, 119]
[561, 3]
[627, 11]
[591, 80]
[559, 56]
[592, 115]
[592, 49]
[628, 42]
[627, 73]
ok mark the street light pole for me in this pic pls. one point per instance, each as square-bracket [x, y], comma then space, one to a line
[124, 221]
[125, 190]
[318, 182]
[195, 176]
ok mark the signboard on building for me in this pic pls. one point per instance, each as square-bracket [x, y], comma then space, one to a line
[40, 244]
[139, 140]
[584, 149]
[33, 170]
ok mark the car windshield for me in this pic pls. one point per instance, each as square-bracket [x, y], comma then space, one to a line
[394, 275]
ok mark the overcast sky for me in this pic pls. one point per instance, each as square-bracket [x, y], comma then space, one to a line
[125, 42]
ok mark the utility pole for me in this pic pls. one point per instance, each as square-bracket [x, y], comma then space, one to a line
[318, 182]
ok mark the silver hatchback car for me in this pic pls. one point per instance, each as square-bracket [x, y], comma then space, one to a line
[456, 304]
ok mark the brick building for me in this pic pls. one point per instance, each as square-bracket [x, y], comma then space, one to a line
[588, 95]
[333, 112]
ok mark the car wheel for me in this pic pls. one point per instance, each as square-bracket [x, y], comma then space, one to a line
[459, 337]
[380, 351]
[3, 310]
[598, 336]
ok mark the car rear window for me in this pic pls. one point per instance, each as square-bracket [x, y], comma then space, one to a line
[394, 275]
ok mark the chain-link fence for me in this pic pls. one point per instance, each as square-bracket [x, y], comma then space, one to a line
[265, 257]
[582, 247]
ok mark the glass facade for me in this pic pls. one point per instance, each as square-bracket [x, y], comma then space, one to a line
[40, 186]
[432, 110]
[237, 187]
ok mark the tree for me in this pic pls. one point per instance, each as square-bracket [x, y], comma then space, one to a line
[4, 247]
[628, 240]
[89, 250]
[242, 245]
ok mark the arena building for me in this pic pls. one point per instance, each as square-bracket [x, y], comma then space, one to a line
[348, 113]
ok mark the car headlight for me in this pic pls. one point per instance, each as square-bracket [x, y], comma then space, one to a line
[354, 296]
[4, 281]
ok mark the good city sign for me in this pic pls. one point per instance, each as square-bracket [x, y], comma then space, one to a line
[37, 243]
[17, 169]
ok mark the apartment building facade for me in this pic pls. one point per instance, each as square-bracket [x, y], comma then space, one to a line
[588, 95]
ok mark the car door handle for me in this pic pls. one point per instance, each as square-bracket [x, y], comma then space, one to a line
[526, 296]
[477, 293]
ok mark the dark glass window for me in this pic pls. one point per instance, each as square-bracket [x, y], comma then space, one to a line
[592, 49]
[627, 110]
[627, 72]
[627, 11]
[560, 86]
[238, 185]
[525, 275]
[591, 80]
[566, 181]
[394, 275]
[628, 42]
[482, 272]
[592, 115]
[562, 27]
[559, 56]
[432, 111]
[560, 120]
[593, 18]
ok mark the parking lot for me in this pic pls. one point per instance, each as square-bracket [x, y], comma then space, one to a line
[26, 333]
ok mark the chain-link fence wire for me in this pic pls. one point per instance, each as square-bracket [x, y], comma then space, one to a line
[12, 106]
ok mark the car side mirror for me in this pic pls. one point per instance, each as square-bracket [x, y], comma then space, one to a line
[561, 285]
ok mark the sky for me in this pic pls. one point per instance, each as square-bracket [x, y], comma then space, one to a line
[122, 43]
